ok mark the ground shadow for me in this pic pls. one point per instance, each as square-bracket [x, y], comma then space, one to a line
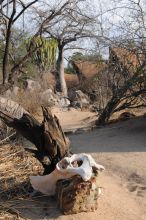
[20, 201]
[126, 136]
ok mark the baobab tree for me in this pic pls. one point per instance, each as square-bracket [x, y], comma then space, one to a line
[72, 24]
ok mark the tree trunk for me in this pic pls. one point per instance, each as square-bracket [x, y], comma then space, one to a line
[7, 46]
[48, 137]
[107, 111]
[6, 55]
[79, 73]
[60, 78]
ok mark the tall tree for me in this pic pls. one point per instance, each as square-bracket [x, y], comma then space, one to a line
[72, 24]
[10, 12]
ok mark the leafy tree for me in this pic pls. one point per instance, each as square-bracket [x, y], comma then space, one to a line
[77, 56]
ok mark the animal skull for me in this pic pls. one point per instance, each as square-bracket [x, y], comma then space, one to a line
[77, 164]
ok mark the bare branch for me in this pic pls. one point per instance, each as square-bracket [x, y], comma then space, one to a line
[24, 8]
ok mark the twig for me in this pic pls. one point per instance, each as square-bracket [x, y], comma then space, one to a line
[7, 137]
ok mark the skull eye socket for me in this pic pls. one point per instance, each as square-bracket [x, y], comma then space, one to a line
[63, 164]
[77, 163]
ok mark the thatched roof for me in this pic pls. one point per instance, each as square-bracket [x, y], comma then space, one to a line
[131, 59]
[89, 69]
[71, 80]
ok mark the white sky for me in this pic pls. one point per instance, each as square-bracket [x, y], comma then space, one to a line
[107, 19]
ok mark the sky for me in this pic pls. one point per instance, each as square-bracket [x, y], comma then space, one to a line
[107, 17]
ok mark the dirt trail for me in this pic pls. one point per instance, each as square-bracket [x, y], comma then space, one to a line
[121, 148]
[116, 203]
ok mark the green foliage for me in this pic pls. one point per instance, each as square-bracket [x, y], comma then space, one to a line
[93, 57]
[87, 57]
[77, 56]
[131, 44]
[30, 71]
[17, 47]
[69, 69]
[45, 56]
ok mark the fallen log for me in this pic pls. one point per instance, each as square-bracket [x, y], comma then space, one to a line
[11, 108]
[50, 141]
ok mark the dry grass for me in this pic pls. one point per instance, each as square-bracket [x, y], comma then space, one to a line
[71, 80]
[30, 100]
[15, 168]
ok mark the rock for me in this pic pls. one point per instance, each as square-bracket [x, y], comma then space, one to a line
[75, 195]
[48, 97]
[32, 85]
[15, 90]
[79, 99]
[63, 102]
[12, 92]
[12, 108]
[94, 108]
[125, 116]
[8, 93]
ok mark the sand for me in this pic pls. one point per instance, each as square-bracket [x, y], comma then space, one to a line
[121, 148]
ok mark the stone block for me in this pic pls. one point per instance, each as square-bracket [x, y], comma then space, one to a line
[75, 195]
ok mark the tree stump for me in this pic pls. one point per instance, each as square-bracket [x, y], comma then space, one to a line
[75, 195]
[48, 137]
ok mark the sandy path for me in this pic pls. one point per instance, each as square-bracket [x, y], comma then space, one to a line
[121, 148]
[116, 203]
[74, 119]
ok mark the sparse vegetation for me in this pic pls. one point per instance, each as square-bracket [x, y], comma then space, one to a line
[15, 168]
